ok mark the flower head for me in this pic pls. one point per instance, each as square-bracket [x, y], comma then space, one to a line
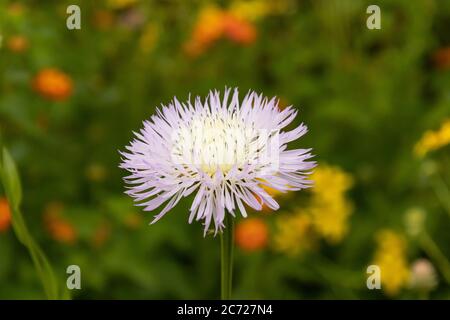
[330, 208]
[433, 140]
[219, 148]
[391, 257]
[252, 234]
[53, 84]
[5, 214]
[17, 44]
[295, 234]
[423, 275]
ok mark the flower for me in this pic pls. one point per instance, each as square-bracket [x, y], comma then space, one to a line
[239, 30]
[101, 235]
[57, 226]
[224, 150]
[390, 256]
[252, 234]
[121, 4]
[5, 215]
[294, 233]
[214, 23]
[149, 37]
[442, 58]
[103, 19]
[251, 9]
[423, 275]
[329, 206]
[414, 221]
[208, 28]
[433, 140]
[17, 44]
[53, 84]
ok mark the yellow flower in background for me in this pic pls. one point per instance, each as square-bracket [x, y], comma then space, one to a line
[329, 181]
[257, 9]
[329, 207]
[251, 10]
[390, 256]
[121, 4]
[330, 219]
[95, 172]
[294, 234]
[325, 214]
[149, 37]
[433, 140]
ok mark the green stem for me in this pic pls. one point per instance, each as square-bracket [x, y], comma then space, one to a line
[226, 246]
[442, 191]
[433, 251]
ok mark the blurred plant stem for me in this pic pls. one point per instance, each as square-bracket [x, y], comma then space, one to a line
[226, 246]
[441, 190]
[433, 251]
[11, 183]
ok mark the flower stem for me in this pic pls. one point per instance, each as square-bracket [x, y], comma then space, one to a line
[431, 248]
[226, 245]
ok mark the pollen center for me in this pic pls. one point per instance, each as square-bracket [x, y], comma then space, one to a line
[212, 143]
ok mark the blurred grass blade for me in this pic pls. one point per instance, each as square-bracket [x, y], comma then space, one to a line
[11, 183]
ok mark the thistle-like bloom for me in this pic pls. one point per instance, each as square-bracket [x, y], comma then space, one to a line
[220, 149]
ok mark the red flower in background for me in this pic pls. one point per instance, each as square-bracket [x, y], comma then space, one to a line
[5, 215]
[442, 58]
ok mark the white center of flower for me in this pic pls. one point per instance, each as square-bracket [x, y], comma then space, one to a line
[215, 142]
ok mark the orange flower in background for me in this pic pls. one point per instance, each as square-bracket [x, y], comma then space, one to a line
[442, 58]
[252, 234]
[208, 28]
[239, 30]
[17, 44]
[16, 9]
[121, 4]
[101, 235]
[53, 84]
[57, 226]
[133, 220]
[95, 172]
[103, 19]
[213, 24]
[5, 215]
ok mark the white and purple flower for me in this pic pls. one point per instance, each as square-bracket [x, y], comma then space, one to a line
[222, 150]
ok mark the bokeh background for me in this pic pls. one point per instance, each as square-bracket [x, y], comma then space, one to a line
[377, 103]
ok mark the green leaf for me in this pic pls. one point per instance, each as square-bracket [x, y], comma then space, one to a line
[11, 182]
[11, 179]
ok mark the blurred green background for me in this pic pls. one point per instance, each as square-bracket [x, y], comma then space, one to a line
[377, 103]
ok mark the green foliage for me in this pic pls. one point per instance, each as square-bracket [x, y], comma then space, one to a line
[367, 97]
